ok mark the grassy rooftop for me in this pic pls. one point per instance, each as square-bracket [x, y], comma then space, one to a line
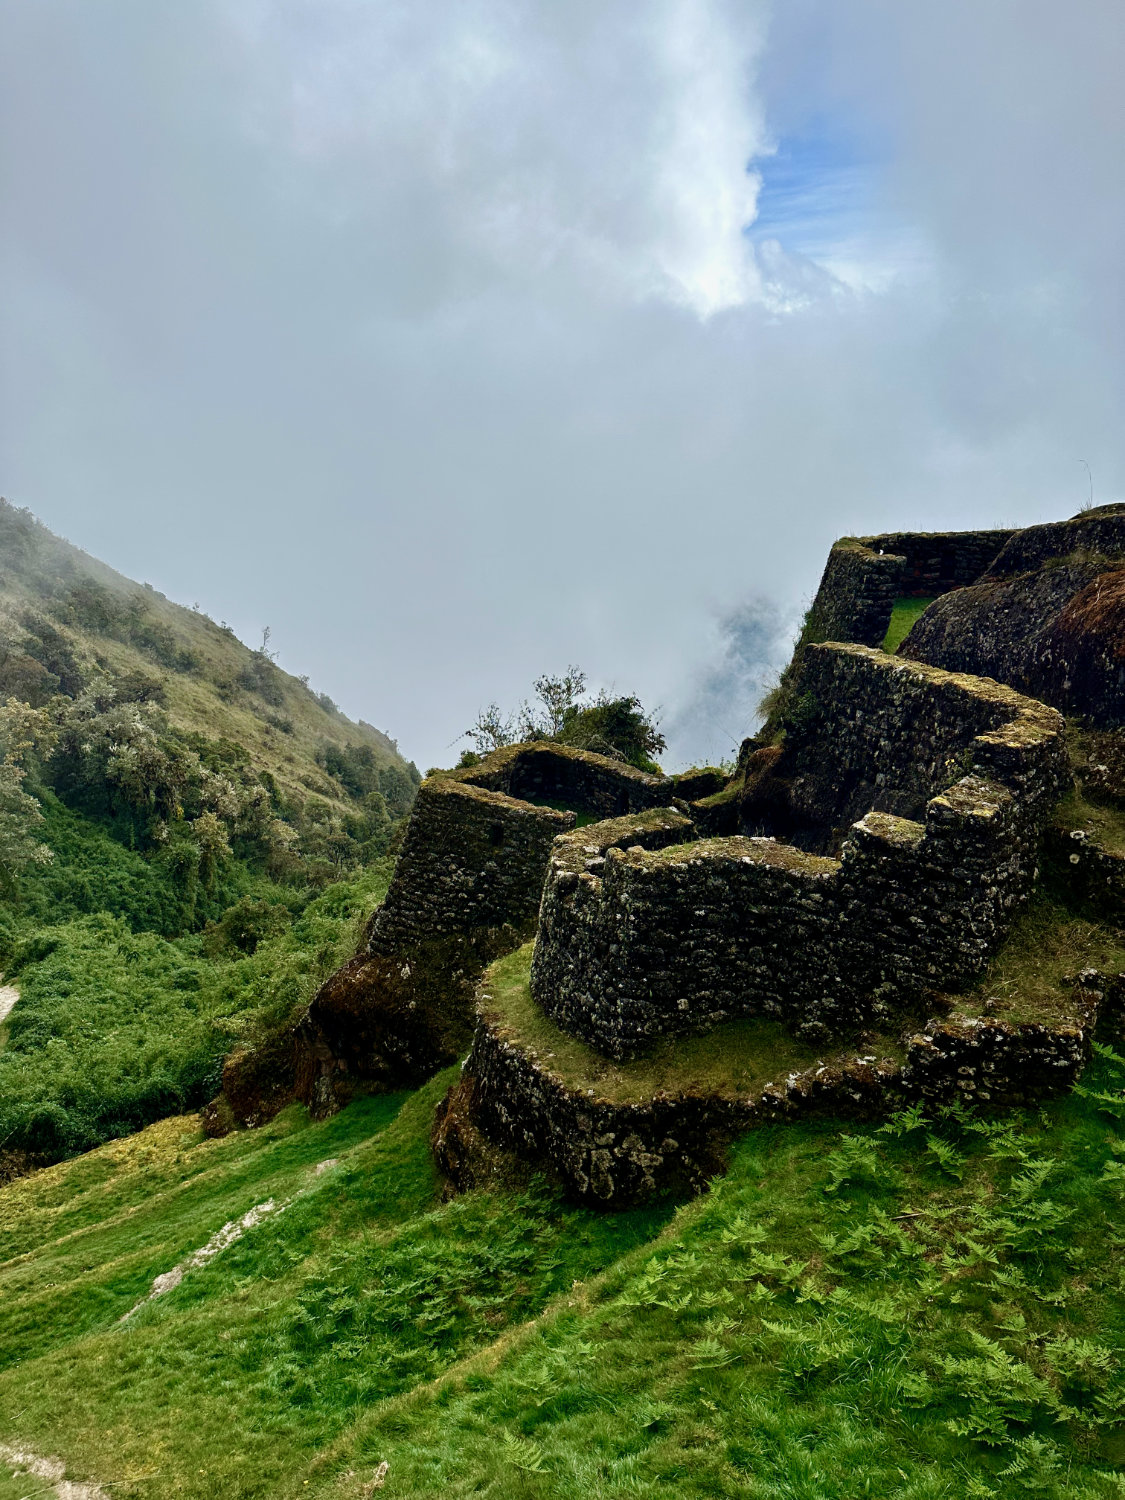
[736, 1058]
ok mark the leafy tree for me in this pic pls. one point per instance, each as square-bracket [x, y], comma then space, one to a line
[23, 729]
[618, 727]
[615, 727]
[491, 730]
[559, 697]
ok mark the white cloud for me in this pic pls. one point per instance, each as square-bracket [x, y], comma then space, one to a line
[604, 142]
[432, 336]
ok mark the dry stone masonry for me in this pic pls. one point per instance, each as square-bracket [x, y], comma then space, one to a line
[637, 942]
[865, 575]
[714, 953]
[466, 889]
[846, 884]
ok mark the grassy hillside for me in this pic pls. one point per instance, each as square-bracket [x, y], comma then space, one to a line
[926, 1310]
[65, 618]
[190, 840]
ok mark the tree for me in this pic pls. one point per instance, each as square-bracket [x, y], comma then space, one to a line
[559, 697]
[618, 727]
[492, 730]
[23, 732]
[614, 727]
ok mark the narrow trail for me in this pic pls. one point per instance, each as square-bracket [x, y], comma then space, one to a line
[221, 1240]
[8, 997]
[52, 1471]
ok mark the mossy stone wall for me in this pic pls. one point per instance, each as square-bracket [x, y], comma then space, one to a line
[578, 779]
[864, 576]
[886, 734]
[635, 943]
[471, 859]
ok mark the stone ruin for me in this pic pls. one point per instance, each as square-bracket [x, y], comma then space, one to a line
[641, 967]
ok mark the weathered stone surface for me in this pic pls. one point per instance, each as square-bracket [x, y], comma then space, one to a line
[995, 1063]
[864, 576]
[614, 1154]
[466, 889]
[885, 734]
[578, 779]
[257, 1082]
[512, 1105]
[1048, 618]
[636, 943]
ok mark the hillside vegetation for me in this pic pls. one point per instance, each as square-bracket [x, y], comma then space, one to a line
[927, 1308]
[190, 841]
[924, 1310]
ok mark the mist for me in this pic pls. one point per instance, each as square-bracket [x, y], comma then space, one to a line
[457, 343]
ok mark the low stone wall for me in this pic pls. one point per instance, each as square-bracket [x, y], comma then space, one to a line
[637, 943]
[513, 1111]
[1091, 875]
[937, 561]
[993, 1063]
[578, 779]
[865, 575]
[617, 1154]
[887, 734]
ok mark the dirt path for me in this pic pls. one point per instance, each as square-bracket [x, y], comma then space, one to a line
[52, 1471]
[221, 1240]
[8, 997]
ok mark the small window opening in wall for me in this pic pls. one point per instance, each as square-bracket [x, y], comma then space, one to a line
[496, 835]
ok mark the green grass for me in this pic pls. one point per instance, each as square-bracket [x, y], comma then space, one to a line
[738, 1057]
[903, 615]
[1106, 825]
[115, 1029]
[362, 1287]
[925, 1310]
[1031, 978]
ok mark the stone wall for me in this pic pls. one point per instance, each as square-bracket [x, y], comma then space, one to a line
[636, 943]
[884, 734]
[616, 1154]
[1049, 619]
[466, 889]
[513, 1111]
[472, 858]
[579, 779]
[865, 575]
[856, 595]
[934, 562]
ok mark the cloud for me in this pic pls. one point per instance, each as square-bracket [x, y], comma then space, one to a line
[755, 641]
[596, 142]
[461, 341]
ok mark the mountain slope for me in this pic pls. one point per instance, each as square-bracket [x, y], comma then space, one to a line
[67, 619]
[190, 839]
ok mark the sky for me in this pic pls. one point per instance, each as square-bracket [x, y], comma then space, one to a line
[464, 341]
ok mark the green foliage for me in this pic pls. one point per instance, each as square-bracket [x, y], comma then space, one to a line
[94, 607]
[115, 1029]
[109, 1033]
[841, 1315]
[618, 727]
[614, 726]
